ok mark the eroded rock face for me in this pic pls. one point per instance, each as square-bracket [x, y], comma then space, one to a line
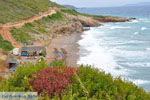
[69, 29]
[88, 21]
[84, 20]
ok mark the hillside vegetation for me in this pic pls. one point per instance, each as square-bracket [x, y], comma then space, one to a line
[64, 21]
[5, 45]
[70, 83]
[16, 10]
[44, 29]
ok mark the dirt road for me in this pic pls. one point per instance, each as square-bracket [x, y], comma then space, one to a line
[5, 28]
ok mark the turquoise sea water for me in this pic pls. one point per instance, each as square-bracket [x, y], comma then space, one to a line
[122, 49]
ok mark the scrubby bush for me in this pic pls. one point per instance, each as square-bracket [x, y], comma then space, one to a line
[58, 64]
[5, 45]
[73, 12]
[56, 16]
[28, 25]
[67, 83]
[19, 81]
[42, 30]
[21, 35]
[92, 84]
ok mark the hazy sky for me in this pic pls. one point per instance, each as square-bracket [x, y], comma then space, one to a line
[98, 3]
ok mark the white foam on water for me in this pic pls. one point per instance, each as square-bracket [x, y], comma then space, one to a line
[138, 64]
[118, 43]
[148, 49]
[128, 42]
[135, 41]
[128, 54]
[143, 28]
[133, 21]
[118, 27]
[139, 81]
[98, 56]
[135, 33]
[145, 20]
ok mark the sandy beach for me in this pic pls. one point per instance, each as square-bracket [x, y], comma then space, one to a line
[69, 43]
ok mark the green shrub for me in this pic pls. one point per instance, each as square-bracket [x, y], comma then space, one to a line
[87, 84]
[21, 35]
[96, 85]
[37, 22]
[58, 64]
[28, 25]
[42, 30]
[73, 12]
[5, 45]
[56, 16]
[19, 80]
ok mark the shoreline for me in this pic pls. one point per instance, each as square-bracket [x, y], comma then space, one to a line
[69, 40]
[69, 43]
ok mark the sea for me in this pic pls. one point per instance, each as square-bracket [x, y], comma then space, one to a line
[121, 49]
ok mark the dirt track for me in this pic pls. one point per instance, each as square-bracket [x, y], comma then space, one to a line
[4, 29]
